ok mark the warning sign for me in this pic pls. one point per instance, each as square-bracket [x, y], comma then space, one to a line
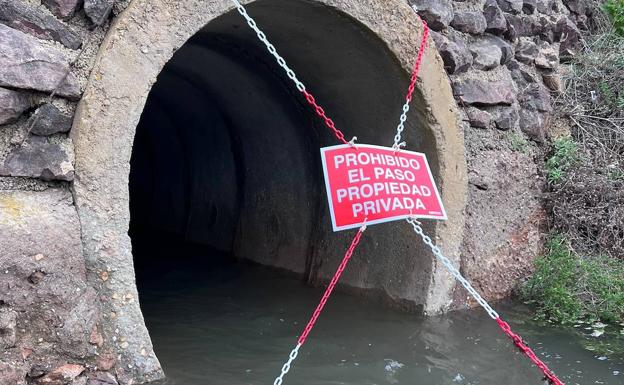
[378, 184]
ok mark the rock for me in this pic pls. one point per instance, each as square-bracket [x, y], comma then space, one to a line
[98, 10]
[48, 120]
[9, 375]
[480, 92]
[578, 7]
[36, 277]
[568, 35]
[37, 158]
[96, 338]
[529, 6]
[64, 9]
[534, 124]
[526, 51]
[12, 105]
[61, 375]
[507, 52]
[101, 378]
[506, 118]
[106, 361]
[79, 381]
[469, 22]
[511, 6]
[438, 14]
[454, 53]
[494, 17]
[547, 57]
[486, 55]
[478, 118]
[27, 64]
[26, 18]
[8, 322]
[553, 82]
[545, 6]
[536, 98]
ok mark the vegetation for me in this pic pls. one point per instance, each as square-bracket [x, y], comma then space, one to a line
[580, 279]
[615, 10]
[565, 155]
[517, 142]
[568, 288]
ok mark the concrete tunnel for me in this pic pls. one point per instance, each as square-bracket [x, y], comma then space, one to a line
[225, 155]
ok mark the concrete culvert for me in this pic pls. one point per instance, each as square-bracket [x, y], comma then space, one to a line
[225, 156]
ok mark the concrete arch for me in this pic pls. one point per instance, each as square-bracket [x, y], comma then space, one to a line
[135, 50]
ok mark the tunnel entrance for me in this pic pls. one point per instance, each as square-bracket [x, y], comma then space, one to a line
[189, 139]
[226, 154]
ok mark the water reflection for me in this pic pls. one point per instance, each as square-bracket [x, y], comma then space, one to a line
[237, 324]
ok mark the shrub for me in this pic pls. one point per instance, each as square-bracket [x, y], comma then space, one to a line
[565, 154]
[567, 288]
[615, 10]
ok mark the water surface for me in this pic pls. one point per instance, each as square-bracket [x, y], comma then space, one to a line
[236, 325]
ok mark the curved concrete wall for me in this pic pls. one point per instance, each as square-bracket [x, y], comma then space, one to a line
[134, 53]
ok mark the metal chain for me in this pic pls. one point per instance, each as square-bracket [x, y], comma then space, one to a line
[289, 72]
[286, 367]
[449, 266]
[410, 91]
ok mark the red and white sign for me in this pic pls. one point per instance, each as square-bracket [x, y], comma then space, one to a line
[378, 184]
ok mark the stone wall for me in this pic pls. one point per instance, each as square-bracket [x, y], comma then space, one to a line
[502, 58]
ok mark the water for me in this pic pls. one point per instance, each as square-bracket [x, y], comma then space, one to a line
[237, 324]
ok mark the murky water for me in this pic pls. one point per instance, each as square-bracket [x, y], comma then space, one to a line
[236, 325]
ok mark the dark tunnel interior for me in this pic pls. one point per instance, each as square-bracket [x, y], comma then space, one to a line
[225, 164]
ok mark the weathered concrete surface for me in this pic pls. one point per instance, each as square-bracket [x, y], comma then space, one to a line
[43, 284]
[134, 52]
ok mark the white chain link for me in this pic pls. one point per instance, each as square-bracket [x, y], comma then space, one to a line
[446, 262]
[397, 138]
[286, 367]
[270, 47]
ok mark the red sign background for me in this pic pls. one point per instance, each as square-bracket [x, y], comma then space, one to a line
[378, 184]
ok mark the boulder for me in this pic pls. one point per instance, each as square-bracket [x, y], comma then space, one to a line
[438, 14]
[64, 9]
[511, 6]
[534, 124]
[568, 35]
[36, 158]
[478, 118]
[98, 10]
[61, 375]
[48, 120]
[494, 17]
[12, 105]
[469, 22]
[454, 53]
[28, 19]
[547, 57]
[507, 52]
[536, 98]
[481, 92]
[486, 54]
[526, 51]
[506, 118]
[545, 6]
[28, 64]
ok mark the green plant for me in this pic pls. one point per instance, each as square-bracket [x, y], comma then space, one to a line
[565, 154]
[615, 10]
[567, 287]
[517, 142]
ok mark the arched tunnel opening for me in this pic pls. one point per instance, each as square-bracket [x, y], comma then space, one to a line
[226, 169]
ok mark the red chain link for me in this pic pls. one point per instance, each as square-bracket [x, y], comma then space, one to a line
[421, 50]
[330, 287]
[321, 112]
[552, 378]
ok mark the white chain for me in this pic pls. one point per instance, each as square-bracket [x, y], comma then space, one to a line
[397, 138]
[446, 262]
[270, 47]
[286, 367]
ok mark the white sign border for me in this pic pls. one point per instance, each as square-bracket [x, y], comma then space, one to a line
[384, 220]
